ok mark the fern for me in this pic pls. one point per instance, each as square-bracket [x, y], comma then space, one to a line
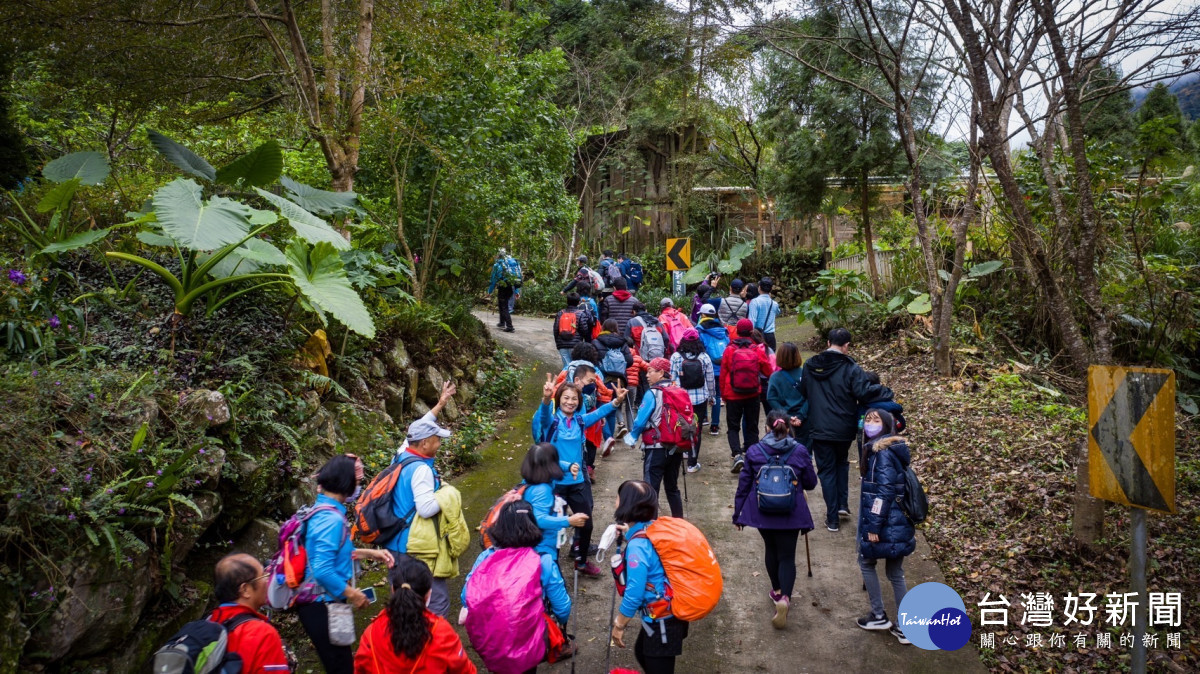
[322, 383]
[180, 498]
[289, 436]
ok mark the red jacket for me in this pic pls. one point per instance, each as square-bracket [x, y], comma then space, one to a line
[443, 653]
[764, 368]
[256, 641]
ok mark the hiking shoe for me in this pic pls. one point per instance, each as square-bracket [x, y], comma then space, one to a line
[694, 468]
[591, 474]
[781, 610]
[606, 447]
[874, 622]
[591, 570]
[899, 635]
[775, 596]
[843, 512]
[714, 430]
[738, 462]
[832, 526]
[509, 330]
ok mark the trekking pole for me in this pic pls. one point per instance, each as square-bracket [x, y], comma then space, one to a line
[572, 621]
[612, 612]
[807, 555]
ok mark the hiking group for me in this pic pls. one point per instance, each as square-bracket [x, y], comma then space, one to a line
[628, 378]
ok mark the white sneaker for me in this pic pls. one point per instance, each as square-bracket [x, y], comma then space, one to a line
[694, 469]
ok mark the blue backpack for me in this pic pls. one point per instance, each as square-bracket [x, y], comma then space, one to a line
[715, 346]
[516, 276]
[613, 362]
[776, 485]
[635, 273]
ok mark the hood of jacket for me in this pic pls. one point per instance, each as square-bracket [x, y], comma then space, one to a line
[898, 446]
[622, 295]
[825, 364]
[777, 446]
[712, 326]
[611, 340]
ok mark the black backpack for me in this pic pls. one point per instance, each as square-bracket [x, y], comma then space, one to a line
[200, 647]
[691, 373]
[914, 503]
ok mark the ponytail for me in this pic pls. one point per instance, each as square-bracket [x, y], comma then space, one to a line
[411, 580]
[778, 422]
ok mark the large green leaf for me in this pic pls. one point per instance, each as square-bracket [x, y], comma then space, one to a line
[187, 161]
[197, 224]
[920, 305]
[229, 265]
[696, 274]
[91, 168]
[258, 168]
[741, 251]
[262, 252]
[155, 239]
[59, 196]
[320, 201]
[985, 268]
[308, 226]
[320, 276]
[78, 241]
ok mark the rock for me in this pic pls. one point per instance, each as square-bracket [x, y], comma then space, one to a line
[457, 374]
[393, 400]
[211, 462]
[398, 357]
[419, 408]
[299, 497]
[190, 526]
[155, 628]
[429, 389]
[413, 380]
[450, 411]
[319, 436]
[205, 408]
[357, 388]
[260, 538]
[480, 377]
[466, 394]
[377, 369]
[13, 633]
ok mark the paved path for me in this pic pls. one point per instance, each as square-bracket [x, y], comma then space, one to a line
[737, 636]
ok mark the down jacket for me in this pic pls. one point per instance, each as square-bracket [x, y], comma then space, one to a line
[745, 501]
[441, 540]
[879, 510]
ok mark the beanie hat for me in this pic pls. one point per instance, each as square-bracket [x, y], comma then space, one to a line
[690, 334]
[661, 364]
[745, 327]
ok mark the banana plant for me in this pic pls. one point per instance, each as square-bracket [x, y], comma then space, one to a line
[218, 245]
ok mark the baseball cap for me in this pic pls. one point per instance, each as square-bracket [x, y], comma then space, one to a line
[744, 326]
[424, 428]
[690, 334]
[660, 364]
[708, 309]
[581, 258]
[736, 285]
[665, 302]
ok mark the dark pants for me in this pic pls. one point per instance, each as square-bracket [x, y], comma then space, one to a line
[579, 500]
[503, 295]
[833, 469]
[741, 416]
[701, 412]
[769, 338]
[781, 558]
[655, 656]
[661, 465]
[315, 619]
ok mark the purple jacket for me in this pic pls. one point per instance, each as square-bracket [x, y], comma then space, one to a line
[745, 503]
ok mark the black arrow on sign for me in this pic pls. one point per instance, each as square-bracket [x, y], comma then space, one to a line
[674, 251]
[1122, 414]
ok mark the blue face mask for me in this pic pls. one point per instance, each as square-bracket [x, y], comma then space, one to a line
[872, 428]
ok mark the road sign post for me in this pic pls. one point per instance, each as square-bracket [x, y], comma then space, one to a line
[1131, 460]
[677, 287]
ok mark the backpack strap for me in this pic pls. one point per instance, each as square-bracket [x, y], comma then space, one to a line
[237, 621]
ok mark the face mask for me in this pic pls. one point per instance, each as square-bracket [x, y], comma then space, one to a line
[354, 496]
[872, 428]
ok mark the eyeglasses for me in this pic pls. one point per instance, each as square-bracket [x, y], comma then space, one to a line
[266, 574]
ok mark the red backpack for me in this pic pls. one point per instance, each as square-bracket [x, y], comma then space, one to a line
[568, 325]
[515, 494]
[677, 420]
[743, 370]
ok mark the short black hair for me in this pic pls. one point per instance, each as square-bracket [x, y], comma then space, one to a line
[622, 256]
[584, 288]
[572, 299]
[639, 307]
[839, 336]
[639, 502]
[338, 476]
[872, 377]
[541, 464]
[766, 284]
[515, 526]
[230, 575]
[585, 351]
[608, 252]
[621, 284]
[751, 291]
[609, 324]
[583, 368]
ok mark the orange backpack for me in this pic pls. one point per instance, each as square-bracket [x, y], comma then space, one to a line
[376, 522]
[515, 494]
[693, 574]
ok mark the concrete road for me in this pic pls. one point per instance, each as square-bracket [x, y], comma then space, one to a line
[738, 637]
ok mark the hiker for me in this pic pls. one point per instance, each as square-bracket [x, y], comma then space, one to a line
[733, 306]
[660, 638]
[661, 459]
[406, 636]
[563, 426]
[779, 522]
[587, 298]
[506, 278]
[616, 359]
[540, 470]
[240, 586]
[415, 494]
[632, 271]
[760, 343]
[331, 557]
[884, 529]
[715, 338]
[703, 292]
[610, 270]
[619, 306]
[584, 274]
[741, 365]
[835, 386]
[672, 322]
[448, 392]
[583, 371]
[692, 370]
[576, 327]
[514, 595]
[647, 344]
[886, 402]
[783, 389]
[763, 310]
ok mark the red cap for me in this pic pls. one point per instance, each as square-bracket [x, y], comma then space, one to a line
[744, 326]
[660, 364]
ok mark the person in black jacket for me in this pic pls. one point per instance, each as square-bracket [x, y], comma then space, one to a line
[835, 386]
[566, 339]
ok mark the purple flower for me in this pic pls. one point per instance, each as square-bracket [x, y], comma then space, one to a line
[54, 322]
[149, 485]
[35, 373]
[197, 481]
[17, 277]
[53, 471]
[58, 383]
[64, 489]
[158, 472]
[91, 396]
[120, 511]
[109, 491]
[71, 517]
[87, 478]
[201, 450]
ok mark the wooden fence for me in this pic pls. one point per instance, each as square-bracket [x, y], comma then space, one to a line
[883, 265]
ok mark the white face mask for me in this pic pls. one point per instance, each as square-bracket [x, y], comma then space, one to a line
[872, 428]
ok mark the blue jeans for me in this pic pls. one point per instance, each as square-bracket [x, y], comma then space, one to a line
[565, 354]
[833, 470]
[895, 573]
[716, 404]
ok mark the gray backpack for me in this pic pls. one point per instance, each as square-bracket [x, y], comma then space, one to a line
[652, 345]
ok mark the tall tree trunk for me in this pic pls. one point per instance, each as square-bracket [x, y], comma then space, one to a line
[868, 237]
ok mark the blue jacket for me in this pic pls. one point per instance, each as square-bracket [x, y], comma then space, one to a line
[645, 577]
[403, 503]
[541, 497]
[762, 313]
[327, 542]
[713, 332]
[553, 587]
[504, 273]
[645, 416]
[783, 393]
[879, 510]
[568, 434]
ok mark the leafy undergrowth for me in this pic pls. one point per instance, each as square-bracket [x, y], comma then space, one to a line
[998, 453]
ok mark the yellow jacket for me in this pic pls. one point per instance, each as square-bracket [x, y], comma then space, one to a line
[441, 540]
